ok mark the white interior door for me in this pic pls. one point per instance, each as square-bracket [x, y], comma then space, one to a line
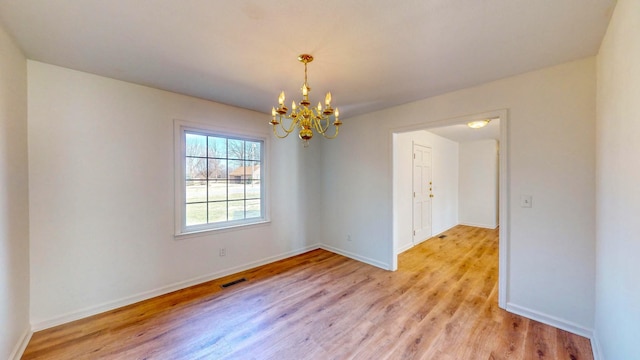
[422, 193]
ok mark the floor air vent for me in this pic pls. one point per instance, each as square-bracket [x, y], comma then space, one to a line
[233, 283]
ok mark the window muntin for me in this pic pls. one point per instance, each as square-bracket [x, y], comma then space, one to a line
[222, 181]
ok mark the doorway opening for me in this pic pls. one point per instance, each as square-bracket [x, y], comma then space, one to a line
[405, 207]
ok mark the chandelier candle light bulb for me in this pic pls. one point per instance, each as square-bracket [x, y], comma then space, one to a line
[303, 117]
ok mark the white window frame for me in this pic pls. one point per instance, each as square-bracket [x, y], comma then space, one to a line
[180, 129]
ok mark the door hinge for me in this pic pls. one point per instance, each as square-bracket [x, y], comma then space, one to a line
[414, 194]
[414, 233]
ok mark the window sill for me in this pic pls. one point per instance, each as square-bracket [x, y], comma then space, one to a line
[206, 232]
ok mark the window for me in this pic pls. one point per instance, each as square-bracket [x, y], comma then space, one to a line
[221, 182]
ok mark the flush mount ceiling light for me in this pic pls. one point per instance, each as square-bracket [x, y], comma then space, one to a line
[307, 119]
[477, 124]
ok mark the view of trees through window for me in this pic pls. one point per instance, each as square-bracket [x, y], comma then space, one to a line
[222, 180]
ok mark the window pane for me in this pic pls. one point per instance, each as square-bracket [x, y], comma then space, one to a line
[236, 210]
[217, 169]
[252, 150]
[196, 145]
[196, 168]
[252, 189]
[236, 179]
[253, 208]
[196, 191]
[217, 147]
[217, 212]
[218, 190]
[252, 170]
[236, 149]
[236, 169]
[236, 191]
[196, 214]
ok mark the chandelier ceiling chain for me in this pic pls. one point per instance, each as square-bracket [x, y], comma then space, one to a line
[305, 118]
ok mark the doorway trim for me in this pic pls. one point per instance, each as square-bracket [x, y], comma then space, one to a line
[504, 221]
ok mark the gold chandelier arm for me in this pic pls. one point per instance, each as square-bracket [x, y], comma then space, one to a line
[318, 124]
[275, 132]
[286, 131]
[332, 136]
[291, 126]
[322, 130]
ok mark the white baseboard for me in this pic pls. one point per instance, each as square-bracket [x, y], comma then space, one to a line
[596, 347]
[550, 320]
[560, 324]
[18, 350]
[353, 256]
[484, 226]
[405, 248]
[111, 305]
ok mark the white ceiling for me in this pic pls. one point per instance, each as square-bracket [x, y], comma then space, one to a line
[371, 54]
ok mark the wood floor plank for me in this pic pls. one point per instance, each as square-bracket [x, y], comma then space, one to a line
[440, 304]
[540, 342]
[572, 347]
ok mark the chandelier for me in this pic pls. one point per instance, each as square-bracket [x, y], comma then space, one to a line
[305, 118]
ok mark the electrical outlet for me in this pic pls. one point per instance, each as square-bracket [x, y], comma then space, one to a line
[525, 201]
[348, 237]
[223, 252]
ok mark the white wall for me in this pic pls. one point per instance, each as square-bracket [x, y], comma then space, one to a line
[551, 256]
[102, 195]
[444, 209]
[103, 237]
[478, 184]
[14, 211]
[618, 176]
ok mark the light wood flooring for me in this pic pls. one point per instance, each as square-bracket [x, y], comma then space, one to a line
[440, 304]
